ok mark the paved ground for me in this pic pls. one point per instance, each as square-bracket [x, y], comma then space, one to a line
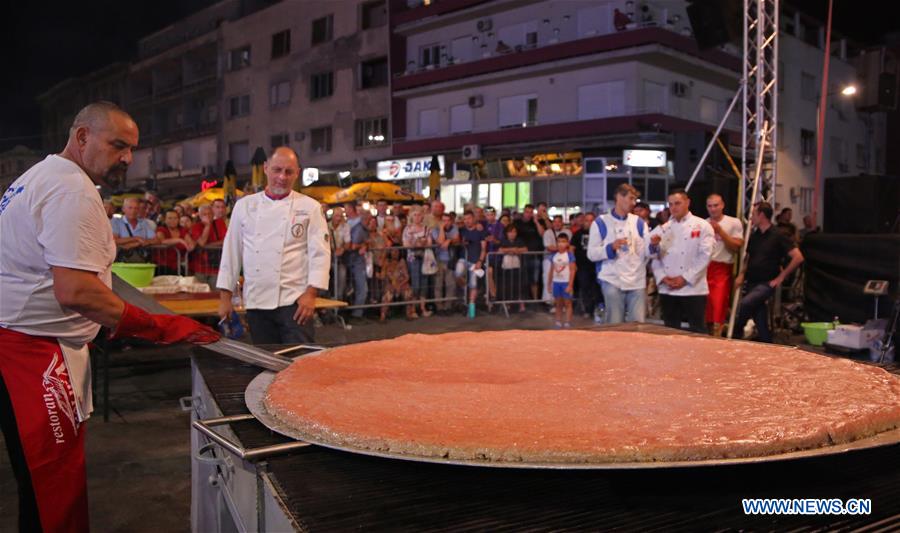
[138, 462]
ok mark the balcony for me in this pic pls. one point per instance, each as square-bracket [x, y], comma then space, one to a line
[637, 122]
[521, 56]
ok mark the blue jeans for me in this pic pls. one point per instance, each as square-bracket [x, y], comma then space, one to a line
[619, 302]
[753, 305]
[416, 278]
[360, 287]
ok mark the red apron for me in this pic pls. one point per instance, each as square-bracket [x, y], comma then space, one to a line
[52, 440]
[719, 279]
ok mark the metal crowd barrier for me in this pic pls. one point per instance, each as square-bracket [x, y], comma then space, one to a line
[370, 274]
[204, 261]
[510, 277]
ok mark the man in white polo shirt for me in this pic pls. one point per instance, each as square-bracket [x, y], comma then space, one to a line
[56, 248]
[729, 234]
[618, 246]
[280, 238]
[681, 249]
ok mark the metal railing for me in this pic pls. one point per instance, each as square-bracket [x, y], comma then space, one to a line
[510, 277]
[398, 276]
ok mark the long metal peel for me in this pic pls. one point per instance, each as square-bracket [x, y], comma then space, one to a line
[232, 348]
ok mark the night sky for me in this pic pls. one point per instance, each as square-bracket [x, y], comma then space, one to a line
[46, 43]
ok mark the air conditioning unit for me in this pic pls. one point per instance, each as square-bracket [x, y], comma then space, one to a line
[476, 101]
[485, 25]
[679, 89]
[471, 151]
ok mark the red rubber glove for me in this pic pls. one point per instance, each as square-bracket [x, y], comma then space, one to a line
[162, 329]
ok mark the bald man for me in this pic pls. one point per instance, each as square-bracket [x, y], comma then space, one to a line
[279, 238]
[56, 248]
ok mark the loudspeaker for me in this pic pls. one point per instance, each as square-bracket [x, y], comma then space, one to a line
[716, 22]
[861, 204]
[887, 90]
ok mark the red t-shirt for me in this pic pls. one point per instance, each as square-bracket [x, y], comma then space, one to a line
[169, 257]
[203, 261]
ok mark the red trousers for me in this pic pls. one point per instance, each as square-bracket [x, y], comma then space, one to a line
[719, 279]
[44, 439]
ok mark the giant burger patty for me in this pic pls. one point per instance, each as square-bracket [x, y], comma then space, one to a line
[579, 396]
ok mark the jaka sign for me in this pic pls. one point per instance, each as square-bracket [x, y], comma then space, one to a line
[405, 169]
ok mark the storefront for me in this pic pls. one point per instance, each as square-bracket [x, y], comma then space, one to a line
[567, 182]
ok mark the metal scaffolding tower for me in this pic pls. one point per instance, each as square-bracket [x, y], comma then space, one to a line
[760, 102]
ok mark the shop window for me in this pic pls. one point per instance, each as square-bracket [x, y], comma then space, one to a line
[611, 185]
[524, 190]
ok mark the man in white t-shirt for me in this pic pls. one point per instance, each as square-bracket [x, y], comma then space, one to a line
[729, 234]
[56, 249]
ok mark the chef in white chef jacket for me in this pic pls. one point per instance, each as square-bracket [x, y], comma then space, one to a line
[681, 249]
[279, 238]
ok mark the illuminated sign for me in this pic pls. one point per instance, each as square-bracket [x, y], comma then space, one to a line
[644, 158]
[310, 176]
[404, 169]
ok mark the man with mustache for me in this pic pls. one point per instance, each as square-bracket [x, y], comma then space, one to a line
[57, 249]
[280, 238]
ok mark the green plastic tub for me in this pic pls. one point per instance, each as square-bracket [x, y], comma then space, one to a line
[817, 332]
[137, 274]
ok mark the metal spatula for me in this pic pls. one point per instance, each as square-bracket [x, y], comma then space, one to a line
[231, 348]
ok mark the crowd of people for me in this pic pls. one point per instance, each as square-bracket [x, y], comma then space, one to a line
[421, 258]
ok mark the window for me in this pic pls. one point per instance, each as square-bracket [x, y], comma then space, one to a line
[428, 119]
[807, 86]
[371, 132]
[461, 118]
[862, 156]
[239, 153]
[806, 199]
[281, 139]
[807, 146]
[430, 55]
[654, 97]
[280, 94]
[374, 14]
[594, 21]
[239, 106]
[321, 85]
[839, 153]
[239, 58]
[281, 44]
[373, 73]
[461, 49]
[320, 139]
[322, 29]
[709, 110]
[601, 100]
[518, 111]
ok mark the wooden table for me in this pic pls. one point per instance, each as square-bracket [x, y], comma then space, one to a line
[206, 304]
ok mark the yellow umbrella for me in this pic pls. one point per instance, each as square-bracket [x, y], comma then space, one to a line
[257, 175]
[372, 191]
[319, 192]
[210, 195]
